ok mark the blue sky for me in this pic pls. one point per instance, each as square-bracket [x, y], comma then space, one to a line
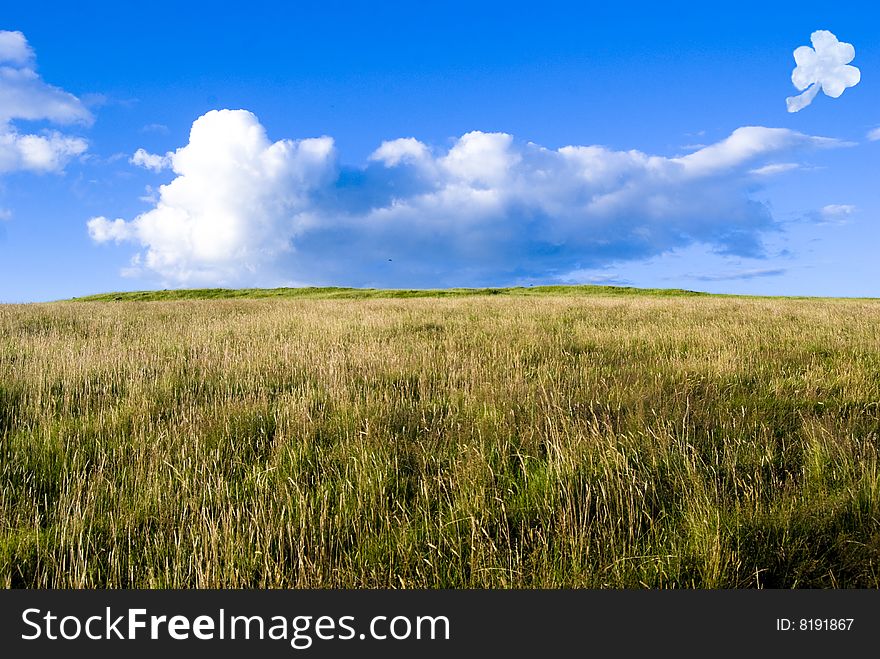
[544, 143]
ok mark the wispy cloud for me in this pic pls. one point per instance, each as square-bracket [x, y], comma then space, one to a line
[874, 134]
[752, 273]
[160, 129]
[775, 168]
[592, 277]
[490, 208]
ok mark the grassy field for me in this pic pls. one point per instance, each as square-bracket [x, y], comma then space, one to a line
[501, 438]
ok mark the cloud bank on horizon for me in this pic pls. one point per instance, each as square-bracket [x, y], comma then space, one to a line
[490, 208]
[824, 67]
[25, 96]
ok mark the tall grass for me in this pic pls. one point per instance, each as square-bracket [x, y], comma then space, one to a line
[475, 441]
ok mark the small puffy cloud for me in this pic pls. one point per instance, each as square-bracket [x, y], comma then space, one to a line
[834, 213]
[825, 66]
[151, 161]
[5, 214]
[489, 209]
[874, 134]
[103, 230]
[48, 152]
[838, 210]
[25, 96]
[406, 150]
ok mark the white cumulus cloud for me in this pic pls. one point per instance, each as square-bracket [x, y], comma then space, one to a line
[25, 96]
[874, 134]
[244, 209]
[233, 204]
[825, 66]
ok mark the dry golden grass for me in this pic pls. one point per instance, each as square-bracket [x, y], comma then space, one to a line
[482, 441]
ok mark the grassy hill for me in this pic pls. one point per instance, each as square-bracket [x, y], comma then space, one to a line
[330, 293]
[540, 437]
